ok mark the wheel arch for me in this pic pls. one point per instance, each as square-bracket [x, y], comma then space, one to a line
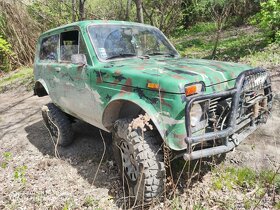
[124, 108]
[40, 88]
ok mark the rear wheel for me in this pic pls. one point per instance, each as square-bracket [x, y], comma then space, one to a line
[140, 161]
[59, 124]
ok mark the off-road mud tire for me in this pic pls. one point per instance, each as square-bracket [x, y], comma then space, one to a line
[148, 157]
[59, 124]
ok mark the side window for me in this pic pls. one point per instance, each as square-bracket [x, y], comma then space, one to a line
[69, 42]
[48, 50]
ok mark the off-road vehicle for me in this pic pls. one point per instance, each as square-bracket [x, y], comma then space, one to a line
[128, 79]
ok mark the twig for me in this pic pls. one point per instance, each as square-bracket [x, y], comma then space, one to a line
[104, 150]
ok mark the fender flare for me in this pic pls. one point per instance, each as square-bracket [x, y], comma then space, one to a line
[43, 83]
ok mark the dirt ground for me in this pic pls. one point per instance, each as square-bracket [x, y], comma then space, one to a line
[35, 177]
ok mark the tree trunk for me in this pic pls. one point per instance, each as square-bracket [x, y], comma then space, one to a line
[216, 44]
[73, 10]
[128, 8]
[139, 8]
[82, 9]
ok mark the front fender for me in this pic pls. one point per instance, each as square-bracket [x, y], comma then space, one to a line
[148, 108]
[171, 130]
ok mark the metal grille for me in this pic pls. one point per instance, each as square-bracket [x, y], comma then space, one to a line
[218, 110]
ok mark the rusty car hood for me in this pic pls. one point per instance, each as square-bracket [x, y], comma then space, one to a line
[172, 74]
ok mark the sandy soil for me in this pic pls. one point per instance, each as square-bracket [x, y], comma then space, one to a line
[68, 180]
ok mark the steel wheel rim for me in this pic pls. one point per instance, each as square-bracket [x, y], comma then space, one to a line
[128, 161]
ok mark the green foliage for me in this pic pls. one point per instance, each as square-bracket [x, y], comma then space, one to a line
[5, 55]
[50, 14]
[277, 36]
[269, 19]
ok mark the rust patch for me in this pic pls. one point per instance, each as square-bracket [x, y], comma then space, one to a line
[140, 68]
[127, 87]
[163, 102]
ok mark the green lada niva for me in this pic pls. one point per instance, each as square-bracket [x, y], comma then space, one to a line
[128, 79]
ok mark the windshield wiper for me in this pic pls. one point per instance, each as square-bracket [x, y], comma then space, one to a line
[122, 55]
[162, 53]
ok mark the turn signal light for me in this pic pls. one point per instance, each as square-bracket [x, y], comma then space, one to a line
[193, 89]
[190, 90]
[153, 85]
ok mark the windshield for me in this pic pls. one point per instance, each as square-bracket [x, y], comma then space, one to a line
[119, 41]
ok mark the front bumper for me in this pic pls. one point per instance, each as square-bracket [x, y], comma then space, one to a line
[235, 132]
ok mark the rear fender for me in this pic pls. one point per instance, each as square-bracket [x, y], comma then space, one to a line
[40, 87]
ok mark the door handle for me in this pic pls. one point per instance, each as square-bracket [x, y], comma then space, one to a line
[57, 69]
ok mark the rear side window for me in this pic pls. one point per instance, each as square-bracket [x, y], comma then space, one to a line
[48, 50]
[69, 45]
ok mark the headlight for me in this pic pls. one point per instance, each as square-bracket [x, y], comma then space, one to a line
[196, 113]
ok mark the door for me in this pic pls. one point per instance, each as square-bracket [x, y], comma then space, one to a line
[79, 97]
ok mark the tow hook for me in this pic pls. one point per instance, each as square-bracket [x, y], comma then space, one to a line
[235, 139]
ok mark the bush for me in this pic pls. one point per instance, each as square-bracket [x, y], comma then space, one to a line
[269, 19]
[5, 55]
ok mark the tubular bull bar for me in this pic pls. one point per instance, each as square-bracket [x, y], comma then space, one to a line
[232, 127]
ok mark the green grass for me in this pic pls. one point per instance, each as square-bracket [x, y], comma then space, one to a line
[269, 56]
[245, 178]
[200, 28]
[19, 74]
[235, 43]
[23, 76]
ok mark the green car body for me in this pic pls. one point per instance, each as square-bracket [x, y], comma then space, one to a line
[103, 91]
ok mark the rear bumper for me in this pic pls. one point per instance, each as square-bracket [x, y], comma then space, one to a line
[230, 135]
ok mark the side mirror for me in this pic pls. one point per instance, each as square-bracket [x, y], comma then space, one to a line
[79, 59]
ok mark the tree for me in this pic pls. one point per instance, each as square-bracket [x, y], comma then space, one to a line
[164, 14]
[82, 9]
[128, 8]
[220, 11]
[139, 8]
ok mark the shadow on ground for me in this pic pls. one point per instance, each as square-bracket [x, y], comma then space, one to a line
[87, 149]
[84, 153]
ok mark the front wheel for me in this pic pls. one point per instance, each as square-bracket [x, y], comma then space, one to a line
[140, 161]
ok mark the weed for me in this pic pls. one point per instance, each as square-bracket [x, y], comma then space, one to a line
[69, 204]
[7, 156]
[90, 202]
[19, 173]
[234, 177]
[198, 207]
[175, 204]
